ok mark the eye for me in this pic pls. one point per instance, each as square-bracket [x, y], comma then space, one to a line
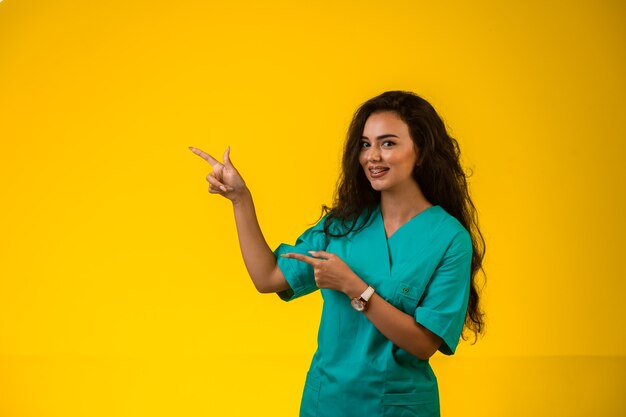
[365, 144]
[388, 143]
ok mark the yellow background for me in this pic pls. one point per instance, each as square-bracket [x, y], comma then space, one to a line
[122, 290]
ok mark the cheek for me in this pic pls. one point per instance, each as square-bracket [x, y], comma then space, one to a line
[411, 161]
[362, 159]
[409, 158]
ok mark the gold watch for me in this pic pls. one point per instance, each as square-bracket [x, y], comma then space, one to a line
[360, 303]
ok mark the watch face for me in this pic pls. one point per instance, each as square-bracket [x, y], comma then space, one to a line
[357, 304]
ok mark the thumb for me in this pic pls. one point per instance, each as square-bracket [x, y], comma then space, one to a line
[226, 158]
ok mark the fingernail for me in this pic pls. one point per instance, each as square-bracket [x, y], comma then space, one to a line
[312, 252]
[223, 188]
[284, 255]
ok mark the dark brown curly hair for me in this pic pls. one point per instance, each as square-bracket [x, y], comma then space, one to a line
[438, 173]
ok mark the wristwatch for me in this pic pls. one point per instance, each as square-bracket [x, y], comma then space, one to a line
[360, 303]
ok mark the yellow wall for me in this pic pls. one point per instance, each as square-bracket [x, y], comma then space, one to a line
[122, 291]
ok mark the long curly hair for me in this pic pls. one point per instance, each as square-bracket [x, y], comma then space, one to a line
[438, 172]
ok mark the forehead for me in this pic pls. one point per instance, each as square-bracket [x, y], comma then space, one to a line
[385, 122]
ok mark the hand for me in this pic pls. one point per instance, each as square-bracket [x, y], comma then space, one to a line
[331, 272]
[225, 180]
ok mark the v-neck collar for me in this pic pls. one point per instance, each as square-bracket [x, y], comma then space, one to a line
[405, 225]
[373, 253]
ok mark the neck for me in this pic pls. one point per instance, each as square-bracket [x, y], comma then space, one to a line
[402, 205]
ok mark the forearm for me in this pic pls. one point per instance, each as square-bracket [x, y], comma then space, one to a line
[402, 329]
[257, 255]
[397, 326]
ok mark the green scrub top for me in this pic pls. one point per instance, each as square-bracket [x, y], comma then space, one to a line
[424, 270]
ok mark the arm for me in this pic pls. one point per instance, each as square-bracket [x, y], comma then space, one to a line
[440, 314]
[257, 255]
[399, 327]
[259, 259]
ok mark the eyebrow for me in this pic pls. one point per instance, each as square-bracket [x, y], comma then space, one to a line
[381, 137]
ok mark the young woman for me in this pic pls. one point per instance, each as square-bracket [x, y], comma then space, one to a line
[396, 259]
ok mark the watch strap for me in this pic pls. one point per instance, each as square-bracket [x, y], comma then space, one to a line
[367, 294]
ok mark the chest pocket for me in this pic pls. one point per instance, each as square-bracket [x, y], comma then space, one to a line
[406, 297]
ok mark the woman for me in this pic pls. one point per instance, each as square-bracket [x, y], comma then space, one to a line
[396, 259]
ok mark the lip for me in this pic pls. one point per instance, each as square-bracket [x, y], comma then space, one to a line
[381, 171]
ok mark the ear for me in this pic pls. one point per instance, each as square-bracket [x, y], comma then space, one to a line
[420, 157]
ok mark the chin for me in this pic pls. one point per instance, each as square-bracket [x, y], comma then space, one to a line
[378, 187]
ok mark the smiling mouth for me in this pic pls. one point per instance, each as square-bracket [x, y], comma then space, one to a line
[377, 172]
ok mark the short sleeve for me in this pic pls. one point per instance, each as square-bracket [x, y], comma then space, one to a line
[299, 274]
[443, 307]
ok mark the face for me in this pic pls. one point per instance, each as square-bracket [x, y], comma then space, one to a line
[388, 154]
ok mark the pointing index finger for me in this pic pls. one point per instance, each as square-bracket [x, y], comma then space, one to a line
[214, 162]
[308, 259]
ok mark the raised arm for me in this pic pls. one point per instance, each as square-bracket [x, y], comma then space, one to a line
[259, 259]
[257, 255]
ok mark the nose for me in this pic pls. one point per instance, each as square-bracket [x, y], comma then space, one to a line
[373, 154]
